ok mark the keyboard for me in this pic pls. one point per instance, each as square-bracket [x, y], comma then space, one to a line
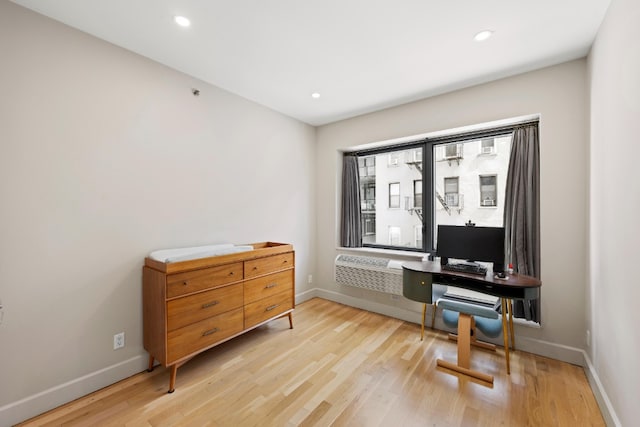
[466, 268]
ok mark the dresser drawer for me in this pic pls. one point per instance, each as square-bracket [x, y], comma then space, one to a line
[260, 266]
[193, 308]
[267, 308]
[195, 337]
[262, 287]
[193, 281]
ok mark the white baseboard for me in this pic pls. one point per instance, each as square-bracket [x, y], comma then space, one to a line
[306, 295]
[608, 413]
[46, 400]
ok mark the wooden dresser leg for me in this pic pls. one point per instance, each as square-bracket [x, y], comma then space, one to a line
[150, 368]
[172, 378]
[290, 321]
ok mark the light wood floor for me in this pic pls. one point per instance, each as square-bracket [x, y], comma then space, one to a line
[340, 366]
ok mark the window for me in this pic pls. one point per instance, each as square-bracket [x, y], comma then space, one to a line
[394, 236]
[367, 166]
[417, 193]
[488, 190]
[368, 197]
[394, 159]
[368, 227]
[424, 189]
[417, 235]
[452, 151]
[451, 194]
[488, 146]
[394, 195]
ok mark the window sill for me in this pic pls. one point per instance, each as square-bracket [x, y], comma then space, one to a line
[526, 323]
[390, 252]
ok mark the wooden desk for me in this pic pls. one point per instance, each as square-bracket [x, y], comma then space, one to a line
[418, 279]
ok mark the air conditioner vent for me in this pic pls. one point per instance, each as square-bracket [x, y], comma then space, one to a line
[372, 273]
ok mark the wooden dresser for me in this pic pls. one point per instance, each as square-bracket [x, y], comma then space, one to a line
[191, 306]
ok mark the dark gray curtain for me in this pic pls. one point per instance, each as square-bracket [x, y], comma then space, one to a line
[522, 212]
[351, 229]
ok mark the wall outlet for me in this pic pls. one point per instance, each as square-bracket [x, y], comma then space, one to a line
[588, 337]
[395, 297]
[310, 279]
[118, 341]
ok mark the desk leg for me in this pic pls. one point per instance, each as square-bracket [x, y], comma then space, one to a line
[424, 315]
[505, 332]
[433, 314]
[513, 335]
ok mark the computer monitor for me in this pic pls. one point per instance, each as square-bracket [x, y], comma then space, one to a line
[485, 244]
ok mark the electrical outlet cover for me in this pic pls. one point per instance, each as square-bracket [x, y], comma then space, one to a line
[118, 341]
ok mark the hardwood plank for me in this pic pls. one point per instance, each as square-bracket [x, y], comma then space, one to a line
[340, 366]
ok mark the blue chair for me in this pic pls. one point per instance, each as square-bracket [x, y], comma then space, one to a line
[467, 318]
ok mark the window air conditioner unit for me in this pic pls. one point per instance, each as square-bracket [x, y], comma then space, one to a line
[487, 150]
[374, 274]
[488, 202]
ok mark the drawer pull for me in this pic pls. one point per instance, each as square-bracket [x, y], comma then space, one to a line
[210, 304]
[231, 273]
[273, 285]
[255, 268]
[210, 331]
[185, 283]
[271, 307]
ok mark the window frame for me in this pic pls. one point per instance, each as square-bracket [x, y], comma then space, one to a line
[429, 154]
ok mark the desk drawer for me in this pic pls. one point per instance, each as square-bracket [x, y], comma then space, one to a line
[265, 286]
[193, 308]
[267, 308]
[190, 339]
[198, 280]
[261, 266]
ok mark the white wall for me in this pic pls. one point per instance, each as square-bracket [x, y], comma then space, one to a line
[106, 156]
[559, 94]
[614, 289]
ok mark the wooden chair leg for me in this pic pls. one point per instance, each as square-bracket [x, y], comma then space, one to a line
[465, 325]
[475, 342]
[290, 321]
[151, 360]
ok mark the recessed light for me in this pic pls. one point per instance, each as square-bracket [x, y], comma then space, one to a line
[182, 21]
[483, 35]
[315, 95]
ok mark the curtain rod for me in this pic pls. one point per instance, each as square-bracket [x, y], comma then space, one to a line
[477, 134]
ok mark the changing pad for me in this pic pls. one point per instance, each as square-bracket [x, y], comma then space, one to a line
[196, 252]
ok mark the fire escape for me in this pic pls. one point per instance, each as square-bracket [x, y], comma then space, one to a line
[417, 164]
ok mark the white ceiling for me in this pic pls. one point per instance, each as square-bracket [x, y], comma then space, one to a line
[360, 55]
